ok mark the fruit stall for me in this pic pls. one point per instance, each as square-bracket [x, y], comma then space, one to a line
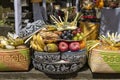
[67, 38]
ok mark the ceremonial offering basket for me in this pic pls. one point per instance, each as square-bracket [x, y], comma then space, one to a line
[14, 60]
[104, 61]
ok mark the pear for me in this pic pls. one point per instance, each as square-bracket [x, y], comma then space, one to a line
[51, 47]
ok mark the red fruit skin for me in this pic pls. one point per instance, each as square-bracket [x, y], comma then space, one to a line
[74, 32]
[63, 46]
[74, 46]
[79, 30]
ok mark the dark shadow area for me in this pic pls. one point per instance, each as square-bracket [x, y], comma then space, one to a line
[6, 3]
[31, 54]
[5, 29]
[106, 75]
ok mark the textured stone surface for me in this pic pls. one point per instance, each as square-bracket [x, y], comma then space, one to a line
[33, 74]
[83, 74]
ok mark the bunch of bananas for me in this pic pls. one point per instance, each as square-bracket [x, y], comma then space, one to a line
[37, 42]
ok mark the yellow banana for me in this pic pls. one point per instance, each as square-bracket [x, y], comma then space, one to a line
[33, 45]
[34, 37]
[39, 48]
[36, 46]
[40, 41]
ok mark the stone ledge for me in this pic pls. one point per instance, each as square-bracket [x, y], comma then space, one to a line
[83, 74]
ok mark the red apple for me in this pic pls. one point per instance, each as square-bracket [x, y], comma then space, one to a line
[63, 46]
[74, 46]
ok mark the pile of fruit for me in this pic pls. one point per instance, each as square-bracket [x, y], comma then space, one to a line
[49, 39]
[63, 36]
[10, 42]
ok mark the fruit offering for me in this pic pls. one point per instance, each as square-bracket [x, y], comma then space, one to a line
[50, 39]
[75, 34]
[74, 46]
[67, 35]
[63, 46]
[51, 47]
[10, 42]
[88, 11]
[112, 39]
[108, 42]
[63, 36]
[64, 24]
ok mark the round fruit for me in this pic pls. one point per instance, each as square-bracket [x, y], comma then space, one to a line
[64, 37]
[82, 44]
[74, 46]
[79, 30]
[51, 47]
[74, 32]
[78, 34]
[63, 46]
[69, 31]
[65, 32]
[75, 38]
[80, 38]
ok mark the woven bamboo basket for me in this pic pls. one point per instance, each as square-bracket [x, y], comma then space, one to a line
[14, 60]
[101, 61]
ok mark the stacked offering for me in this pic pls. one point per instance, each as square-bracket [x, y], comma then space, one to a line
[14, 55]
[105, 53]
[59, 48]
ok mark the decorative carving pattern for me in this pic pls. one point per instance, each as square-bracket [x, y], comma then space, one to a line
[47, 62]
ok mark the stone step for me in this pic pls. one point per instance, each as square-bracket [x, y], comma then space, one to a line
[33, 74]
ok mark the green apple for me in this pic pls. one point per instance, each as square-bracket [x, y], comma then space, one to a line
[80, 38]
[82, 34]
[75, 38]
[78, 34]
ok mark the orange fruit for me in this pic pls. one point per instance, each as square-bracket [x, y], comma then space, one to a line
[82, 44]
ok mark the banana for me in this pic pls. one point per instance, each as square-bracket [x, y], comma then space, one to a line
[36, 46]
[34, 37]
[40, 40]
[39, 48]
[33, 45]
